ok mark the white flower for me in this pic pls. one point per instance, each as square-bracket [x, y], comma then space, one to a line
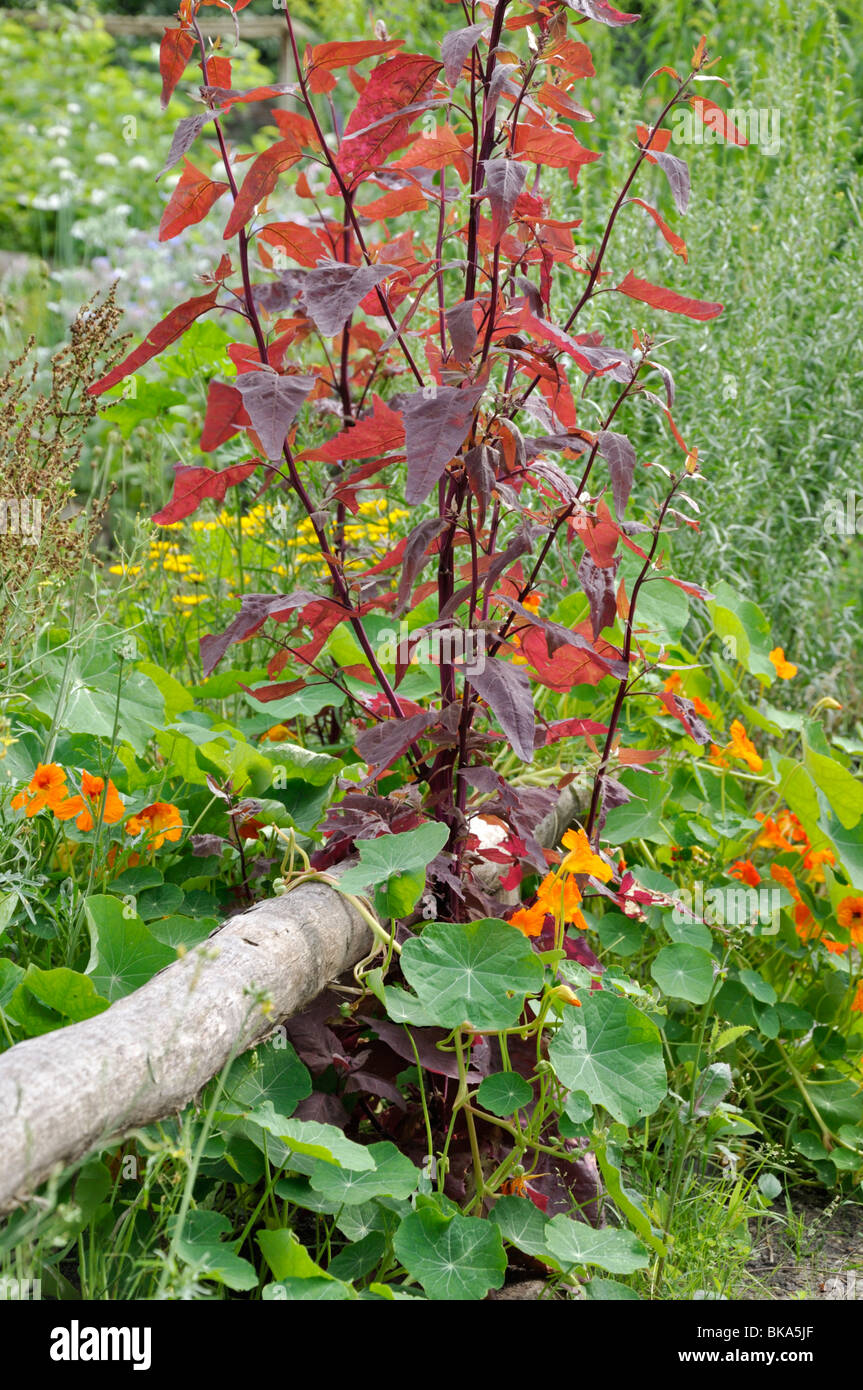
[139, 161]
[73, 108]
[58, 132]
[106, 158]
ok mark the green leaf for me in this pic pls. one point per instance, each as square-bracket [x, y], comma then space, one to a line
[314, 1139]
[400, 895]
[711, 1088]
[271, 1072]
[182, 931]
[308, 1291]
[392, 1176]
[684, 972]
[453, 1257]
[359, 1259]
[390, 856]
[841, 787]
[612, 1051]
[628, 1203]
[202, 1247]
[123, 954]
[731, 1035]
[521, 1224]
[758, 987]
[620, 935]
[477, 972]
[176, 696]
[742, 621]
[576, 1243]
[504, 1092]
[286, 1257]
[608, 1290]
[49, 999]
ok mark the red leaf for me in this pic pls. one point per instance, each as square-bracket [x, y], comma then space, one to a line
[225, 415]
[438, 151]
[193, 485]
[383, 743]
[572, 728]
[567, 666]
[376, 434]
[619, 454]
[218, 71]
[261, 180]
[190, 201]
[325, 56]
[175, 50]
[300, 243]
[394, 204]
[172, 327]
[574, 57]
[658, 297]
[716, 120]
[225, 97]
[677, 244]
[398, 83]
[557, 148]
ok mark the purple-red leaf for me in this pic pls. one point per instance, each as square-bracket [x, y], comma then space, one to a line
[601, 11]
[184, 137]
[506, 688]
[383, 743]
[333, 290]
[677, 172]
[504, 181]
[437, 422]
[619, 454]
[455, 46]
[599, 585]
[462, 329]
[272, 403]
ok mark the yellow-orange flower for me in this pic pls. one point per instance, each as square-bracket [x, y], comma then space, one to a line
[814, 861]
[673, 682]
[717, 757]
[581, 858]
[47, 787]
[161, 820]
[787, 879]
[746, 872]
[559, 894]
[772, 835]
[850, 914]
[701, 708]
[857, 1006]
[278, 734]
[530, 920]
[786, 670]
[86, 806]
[743, 748]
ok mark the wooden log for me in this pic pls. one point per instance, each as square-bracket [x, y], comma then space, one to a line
[64, 1093]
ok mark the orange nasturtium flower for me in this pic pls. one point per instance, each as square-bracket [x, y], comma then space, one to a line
[743, 748]
[581, 858]
[857, 1006]
[701, 708]
[86, 807]
[673, 682]
[278, 734]
[717, 757]
[47, 787]
[161, 820]
[814, 861]
[787, 879]
[850, 914]
[786, 670]
[746, 872]
[772, 834]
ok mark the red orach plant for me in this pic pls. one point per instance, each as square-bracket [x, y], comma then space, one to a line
[450, 363]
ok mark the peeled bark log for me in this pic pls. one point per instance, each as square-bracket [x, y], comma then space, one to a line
[66, 1092]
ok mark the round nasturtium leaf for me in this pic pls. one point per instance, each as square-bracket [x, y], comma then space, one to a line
[576, 1243]
[612, 1051]
[392, 1176]
[453, 1257]
[684, 972]
[476, 972]
[504, 1092]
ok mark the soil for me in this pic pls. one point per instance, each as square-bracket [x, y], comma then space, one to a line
[823, 1259]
